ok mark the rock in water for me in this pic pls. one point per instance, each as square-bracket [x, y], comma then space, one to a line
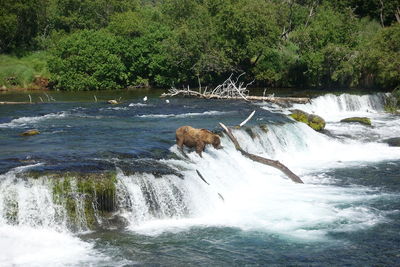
[112, 102]
[362, 120]
[314, 121]
[264, 128]
[30, 132]
[393, 141]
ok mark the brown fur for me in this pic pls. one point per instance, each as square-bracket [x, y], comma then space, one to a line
[196, 138]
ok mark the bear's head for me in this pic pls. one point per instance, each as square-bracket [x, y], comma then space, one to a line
[216, 142]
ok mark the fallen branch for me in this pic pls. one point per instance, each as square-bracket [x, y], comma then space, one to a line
[14, 103]
[248, 118]
[271, 99]
[273, 163]
[228, 89]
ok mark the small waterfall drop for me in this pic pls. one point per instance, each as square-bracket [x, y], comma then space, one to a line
[333, 108]
[34, 228]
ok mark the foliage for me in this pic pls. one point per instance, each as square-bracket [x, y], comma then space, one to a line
[21, 72]
[20, 22]
[88, 60]
[99, 44]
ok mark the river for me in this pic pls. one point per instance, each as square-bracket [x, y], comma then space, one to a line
[345, 213]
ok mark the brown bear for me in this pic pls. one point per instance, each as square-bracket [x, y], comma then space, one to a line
[197, 138]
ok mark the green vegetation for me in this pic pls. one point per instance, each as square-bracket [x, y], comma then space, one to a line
[314, 121]
[392, 102]
[95, 45]
[95, 191]
[362, 120]
[21, 72]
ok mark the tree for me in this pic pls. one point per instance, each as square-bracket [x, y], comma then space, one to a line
[326, 41]
[88, 60]
[19, 23]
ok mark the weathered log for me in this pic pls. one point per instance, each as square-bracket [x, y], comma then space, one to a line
[275, 100]
[14, 103]
[273, 163]
[248, 118]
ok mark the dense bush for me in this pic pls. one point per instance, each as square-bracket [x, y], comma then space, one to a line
[88, 60]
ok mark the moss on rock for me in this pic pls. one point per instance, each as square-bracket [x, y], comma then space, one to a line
[314, 121]
[362, 120]
[30, 132]
[83, 195]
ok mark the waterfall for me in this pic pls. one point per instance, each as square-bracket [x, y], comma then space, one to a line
[240, 192]
[33, 226]
[332, 107]
[248, 195]
[29, 202]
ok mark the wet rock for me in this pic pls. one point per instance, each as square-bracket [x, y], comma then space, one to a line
[361, 120]
[264, 128]
[314, 121]
[157, 168]
[30, 132]
[393, 141]
[113, 102]
[95, 192]
[250, 132]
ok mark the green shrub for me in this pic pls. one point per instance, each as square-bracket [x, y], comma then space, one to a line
[21, 72]
[88, 60]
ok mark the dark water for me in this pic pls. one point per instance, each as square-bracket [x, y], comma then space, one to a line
[347, 214]
[78, 129]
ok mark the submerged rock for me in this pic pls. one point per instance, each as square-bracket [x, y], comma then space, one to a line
[314, 121]
[393, 141]
[362, 120]
[30, 132]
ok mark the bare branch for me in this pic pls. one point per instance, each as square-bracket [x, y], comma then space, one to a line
[248, 118]
[273, 163]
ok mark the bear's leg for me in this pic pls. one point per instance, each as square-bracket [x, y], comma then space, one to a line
[200, 146]
[179, 143]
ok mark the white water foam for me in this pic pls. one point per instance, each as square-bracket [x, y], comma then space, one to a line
[304, 149]
[256, 197]
[33, 229]
[335, 108]
[138, 105]
[33, 246]
[184, 115]
[114, 108]
[23, 121]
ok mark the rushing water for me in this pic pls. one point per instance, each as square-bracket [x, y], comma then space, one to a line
[345, 213]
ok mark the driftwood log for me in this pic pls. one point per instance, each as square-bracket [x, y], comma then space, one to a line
[14, 103]
[271, 99]
[273, 163]
[235, 90]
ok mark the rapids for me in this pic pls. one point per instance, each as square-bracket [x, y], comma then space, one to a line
[248, 214]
